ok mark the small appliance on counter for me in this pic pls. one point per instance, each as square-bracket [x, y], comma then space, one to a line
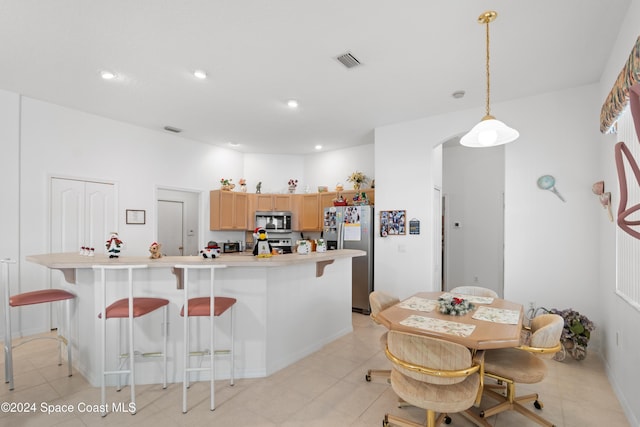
[230, 247]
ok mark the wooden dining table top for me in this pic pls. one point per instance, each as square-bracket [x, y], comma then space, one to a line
[481, 333]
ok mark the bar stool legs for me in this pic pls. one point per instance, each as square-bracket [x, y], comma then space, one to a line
[205, 306]
[129, 308]
[31, 298]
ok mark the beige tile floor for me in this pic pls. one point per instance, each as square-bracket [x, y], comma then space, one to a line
[326, 388]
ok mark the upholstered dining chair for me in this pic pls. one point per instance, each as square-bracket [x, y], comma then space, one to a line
[379, 301]
[477, 291]
[440, 376]
[523, 364]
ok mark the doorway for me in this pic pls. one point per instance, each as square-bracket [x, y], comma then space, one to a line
[178, 221]
[473, 186]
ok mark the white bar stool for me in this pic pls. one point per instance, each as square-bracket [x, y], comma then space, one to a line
[130, 307]
[30, 298]
[204, 306]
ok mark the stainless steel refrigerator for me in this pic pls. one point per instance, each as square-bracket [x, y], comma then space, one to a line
[351, 227]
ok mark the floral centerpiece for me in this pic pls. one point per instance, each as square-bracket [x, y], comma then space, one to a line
[358, 178]
[454, 306]
[293, 183]
[576, 332]
[227, 185]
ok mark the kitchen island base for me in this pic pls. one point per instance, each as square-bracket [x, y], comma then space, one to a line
[284, 312]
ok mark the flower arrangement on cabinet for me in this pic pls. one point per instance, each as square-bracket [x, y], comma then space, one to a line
[243, 185]
[227, 184]
[293, 183]
[357, 178]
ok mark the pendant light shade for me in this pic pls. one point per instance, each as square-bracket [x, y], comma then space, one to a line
[489, 132]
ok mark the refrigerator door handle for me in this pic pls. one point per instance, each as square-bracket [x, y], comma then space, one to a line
[340, 235]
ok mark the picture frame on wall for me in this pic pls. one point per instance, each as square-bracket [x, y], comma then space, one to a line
[136, 216]
[393, 223]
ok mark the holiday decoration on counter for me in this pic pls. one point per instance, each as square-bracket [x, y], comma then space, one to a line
[87, 251]
[212, 250]
[154, 249]
[321, 245]
[114, 245]
[303, 247]
[262, 248]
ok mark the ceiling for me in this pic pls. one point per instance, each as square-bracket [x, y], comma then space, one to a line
[258, 54]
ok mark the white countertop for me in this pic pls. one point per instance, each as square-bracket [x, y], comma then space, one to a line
[242, 259]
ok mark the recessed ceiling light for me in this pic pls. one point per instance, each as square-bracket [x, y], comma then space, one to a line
[318, 147]
[458, 94]
[200, 74]
[107, 75]
[234, 144]
[292, 103]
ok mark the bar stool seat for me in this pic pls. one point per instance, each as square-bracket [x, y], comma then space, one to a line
[203, 307]
[128, 308]
[200, 306]
[42, 296]
[141, 306]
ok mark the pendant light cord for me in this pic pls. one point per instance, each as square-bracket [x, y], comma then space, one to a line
[488, 74]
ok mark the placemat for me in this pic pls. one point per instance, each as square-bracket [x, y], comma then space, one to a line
[438, 325]
[471, 298]
[497, 315]
[419, 304]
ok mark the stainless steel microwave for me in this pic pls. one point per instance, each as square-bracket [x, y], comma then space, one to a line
[274, 222]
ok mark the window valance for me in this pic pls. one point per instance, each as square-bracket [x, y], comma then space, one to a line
[618, 98]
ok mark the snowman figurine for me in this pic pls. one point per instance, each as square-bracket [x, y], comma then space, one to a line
[113, 245]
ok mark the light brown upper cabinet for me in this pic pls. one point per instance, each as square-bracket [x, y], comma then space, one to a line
[228, 210]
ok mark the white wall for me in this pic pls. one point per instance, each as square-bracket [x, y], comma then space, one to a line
[621, 357]
[46, 140]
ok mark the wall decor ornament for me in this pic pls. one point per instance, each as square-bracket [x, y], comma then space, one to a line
[548, 182]
[603, 197]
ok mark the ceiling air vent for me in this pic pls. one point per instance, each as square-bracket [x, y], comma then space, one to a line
[172, 129]
[348, 60]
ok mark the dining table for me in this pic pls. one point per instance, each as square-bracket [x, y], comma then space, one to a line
[491, 323]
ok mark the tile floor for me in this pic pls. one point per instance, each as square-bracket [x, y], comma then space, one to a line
[326, 388]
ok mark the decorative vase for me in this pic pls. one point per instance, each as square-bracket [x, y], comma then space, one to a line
[292, 189]
[243, 188]
[356, 186]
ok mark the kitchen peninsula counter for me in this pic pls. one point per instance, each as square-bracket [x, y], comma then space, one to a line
[289, 306]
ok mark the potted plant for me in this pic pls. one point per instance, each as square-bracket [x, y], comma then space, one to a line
[226, 184]
[576, 333]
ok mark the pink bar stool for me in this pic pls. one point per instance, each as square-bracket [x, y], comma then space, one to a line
[31, 298]
[198, 307]
[128, 308]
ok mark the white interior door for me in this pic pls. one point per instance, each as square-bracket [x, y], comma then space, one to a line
[82, 213]
[170, 227]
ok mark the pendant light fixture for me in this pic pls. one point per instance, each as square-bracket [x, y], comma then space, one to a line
[489, 132]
